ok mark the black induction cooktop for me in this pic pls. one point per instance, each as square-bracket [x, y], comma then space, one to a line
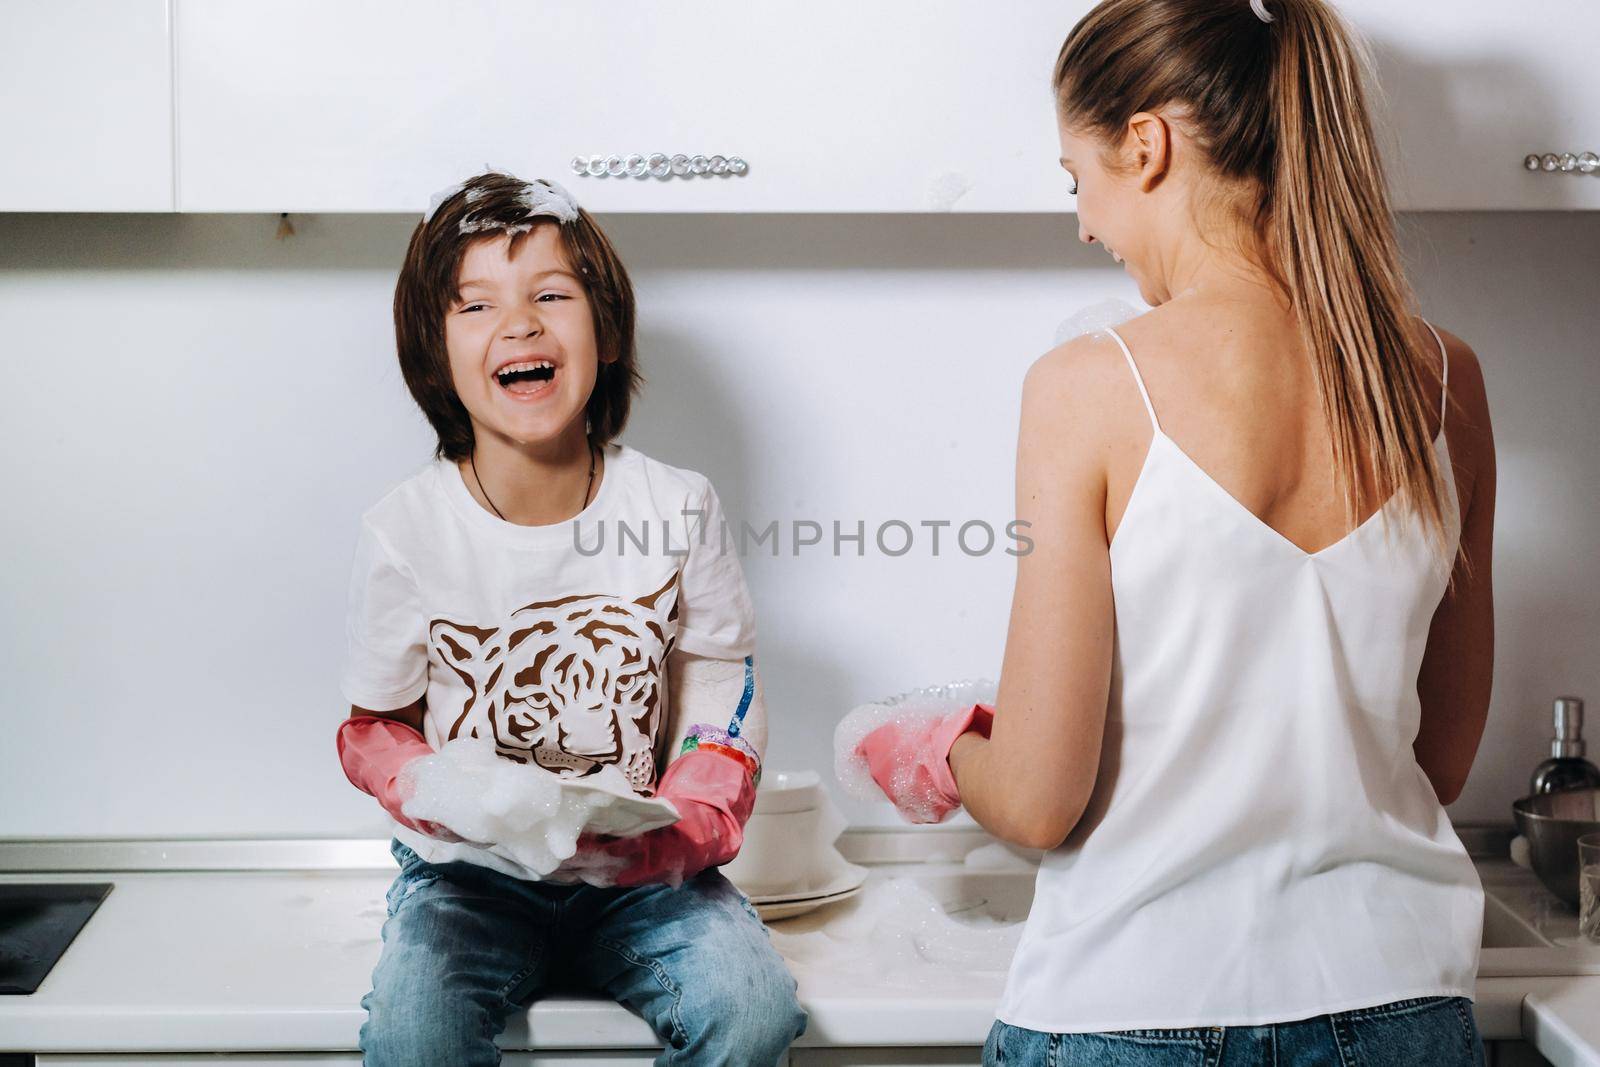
[38, 921]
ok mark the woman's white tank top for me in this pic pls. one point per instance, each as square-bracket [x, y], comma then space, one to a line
[1261, 845]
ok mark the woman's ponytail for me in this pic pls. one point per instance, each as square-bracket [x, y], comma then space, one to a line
[1278, 104]
[1329, 231]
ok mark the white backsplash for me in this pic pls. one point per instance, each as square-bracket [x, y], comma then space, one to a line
[198, 414]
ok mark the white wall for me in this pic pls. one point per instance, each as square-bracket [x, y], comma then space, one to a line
[197, 414]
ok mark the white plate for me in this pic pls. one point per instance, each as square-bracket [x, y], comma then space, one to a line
[788, 910]
[842, 879]
[621, 814]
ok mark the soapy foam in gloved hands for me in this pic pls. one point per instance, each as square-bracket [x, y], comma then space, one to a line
[517, 810]
[918, 710]
[896, 933]
[599, 869]
[592, 868]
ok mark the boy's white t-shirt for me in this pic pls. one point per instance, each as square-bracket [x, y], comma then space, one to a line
[552, 649]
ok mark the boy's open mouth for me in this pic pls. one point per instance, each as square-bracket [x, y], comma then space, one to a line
[523, 379]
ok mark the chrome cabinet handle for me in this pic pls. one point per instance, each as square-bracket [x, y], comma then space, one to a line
[1587, 163]
[657, 165]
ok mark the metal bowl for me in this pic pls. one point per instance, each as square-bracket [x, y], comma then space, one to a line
[1552, 823]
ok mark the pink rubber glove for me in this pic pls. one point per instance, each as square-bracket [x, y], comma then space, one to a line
[372, 750]
[911, 761]
[714, 794]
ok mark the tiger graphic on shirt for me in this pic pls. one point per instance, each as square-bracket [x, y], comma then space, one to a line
[572, 684]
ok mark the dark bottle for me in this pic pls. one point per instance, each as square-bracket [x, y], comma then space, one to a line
[1566, 768]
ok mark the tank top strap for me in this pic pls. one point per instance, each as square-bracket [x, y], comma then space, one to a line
[1137, 378]
[1444, 375]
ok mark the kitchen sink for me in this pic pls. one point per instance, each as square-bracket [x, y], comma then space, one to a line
[1007, 896]
[1504, 928]
[1526, 929]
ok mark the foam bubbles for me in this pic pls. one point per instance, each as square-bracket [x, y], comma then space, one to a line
[520, 811]
[547, 197]
[436, 201]
[998, 856]
[915, 711]
[897, 933]
[946, 189]
[1094, 318]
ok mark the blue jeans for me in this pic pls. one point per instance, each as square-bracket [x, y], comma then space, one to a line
[465, 945]
[1422, 1032]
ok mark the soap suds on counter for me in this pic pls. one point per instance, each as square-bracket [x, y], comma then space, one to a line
[998, 857]
[896, 932]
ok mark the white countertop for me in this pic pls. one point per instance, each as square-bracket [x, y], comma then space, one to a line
[184, 961]
[1562, 1020]
[279, 961]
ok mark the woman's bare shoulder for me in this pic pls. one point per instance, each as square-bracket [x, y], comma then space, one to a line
[1468, 403]
[1085, 380]
[1467, 428]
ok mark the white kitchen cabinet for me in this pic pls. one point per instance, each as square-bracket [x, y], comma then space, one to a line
[897, 105]
[885, 1057]
[1512, 1054]
[1498, 1054]
[638, 1058]
[85, 105]
[1470, 90]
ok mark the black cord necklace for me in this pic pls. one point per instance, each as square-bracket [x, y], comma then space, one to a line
[473, 459]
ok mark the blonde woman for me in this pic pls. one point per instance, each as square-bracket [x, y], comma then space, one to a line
[1249, 655]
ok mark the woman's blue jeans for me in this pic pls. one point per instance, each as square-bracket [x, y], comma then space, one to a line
[464, 946]
[1421, 1032]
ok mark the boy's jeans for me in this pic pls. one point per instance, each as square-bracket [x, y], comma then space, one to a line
[464, 946]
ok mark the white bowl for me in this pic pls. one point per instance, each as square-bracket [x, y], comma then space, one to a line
[788, 791]
[787, 851]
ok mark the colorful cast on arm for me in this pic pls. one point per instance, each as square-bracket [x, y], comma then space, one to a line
[729, 742]
[712, 783]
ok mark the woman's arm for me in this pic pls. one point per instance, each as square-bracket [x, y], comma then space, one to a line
[1458, 667]
[1030, 781]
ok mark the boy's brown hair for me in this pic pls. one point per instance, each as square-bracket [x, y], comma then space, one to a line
[492, 205]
